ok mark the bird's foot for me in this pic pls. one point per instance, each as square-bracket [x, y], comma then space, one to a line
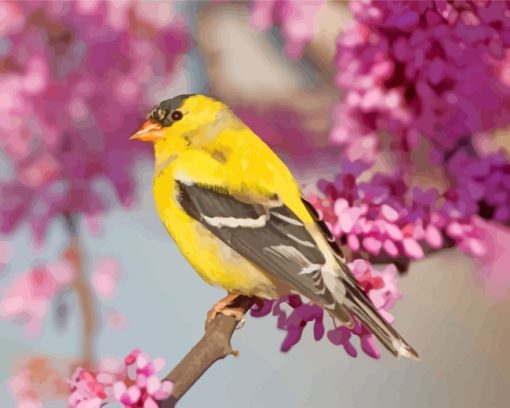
[222, 307]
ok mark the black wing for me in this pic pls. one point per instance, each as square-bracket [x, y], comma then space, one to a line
[269, 235]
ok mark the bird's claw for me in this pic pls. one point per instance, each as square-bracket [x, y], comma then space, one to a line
[235, 312]
[240, 323]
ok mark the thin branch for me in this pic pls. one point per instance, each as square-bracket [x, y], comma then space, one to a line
[84, 294]
[213, 346]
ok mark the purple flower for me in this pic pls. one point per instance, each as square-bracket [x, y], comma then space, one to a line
[293, 315]
[412, 68]
[133, 383]
[77, 77]
[295, 17]
[384, 214]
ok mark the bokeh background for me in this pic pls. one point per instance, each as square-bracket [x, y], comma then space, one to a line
[88, 270]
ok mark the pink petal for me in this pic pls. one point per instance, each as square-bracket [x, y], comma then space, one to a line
[91, 403]
[104, 285]
[109, 364]
[476, 247]
[119, 388]
[350, 349]
[153, 384]
[158, 363]
[116, 319]
[131, 371]
[134, 393]
[418, 232]
[390, 247]
[108, 266]
[372, 245]
[93, 223]
[340, 206]
[11, 306]
[164, 391]
[62, 272]
[369, 346]
[105, 378]
[167, 386]
[387, 316]
[141, 361]
[348, 218]
[412, 248]
[454, 229]
[393, 231]
[150, 403]
[433, 236]
[377, 297]
[141, 381]
[30, 404]
[353, 242]
[389, 213]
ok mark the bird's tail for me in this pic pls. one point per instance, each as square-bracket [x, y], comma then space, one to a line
[361, 306]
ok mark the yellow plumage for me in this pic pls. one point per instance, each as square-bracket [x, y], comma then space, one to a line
[238, 216]
[239, 162]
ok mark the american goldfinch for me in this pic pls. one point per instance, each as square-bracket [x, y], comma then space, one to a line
[238, 216]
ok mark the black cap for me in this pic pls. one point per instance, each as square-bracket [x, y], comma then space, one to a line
[162, 112]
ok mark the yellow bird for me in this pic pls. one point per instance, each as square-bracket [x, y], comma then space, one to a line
[238, 216]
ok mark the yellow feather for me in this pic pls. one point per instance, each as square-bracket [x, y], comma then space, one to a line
[199, 141]
[235, 160]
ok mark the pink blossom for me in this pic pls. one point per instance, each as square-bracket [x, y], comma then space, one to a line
[28, 297]
[492, 267]
[11, 17]
[383, 214]
[293, 314]
[116, 319]
[133, 383]
[63, 71]
[105, 277]
[38, 379]
[409, 68]
[295, 17]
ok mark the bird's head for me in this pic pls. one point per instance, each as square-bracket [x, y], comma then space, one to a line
[183, 122]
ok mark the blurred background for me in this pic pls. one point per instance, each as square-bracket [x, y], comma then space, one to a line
[88, 271]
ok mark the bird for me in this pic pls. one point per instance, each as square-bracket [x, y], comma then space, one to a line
[239, 217]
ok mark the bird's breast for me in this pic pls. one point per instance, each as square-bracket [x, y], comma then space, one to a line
[216, 262]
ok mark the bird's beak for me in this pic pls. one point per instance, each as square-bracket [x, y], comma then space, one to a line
[150, 131]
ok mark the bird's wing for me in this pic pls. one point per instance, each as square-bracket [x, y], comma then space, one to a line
[344, 272]
[267, 233]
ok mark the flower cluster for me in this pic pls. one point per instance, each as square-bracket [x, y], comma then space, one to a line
[294, 17]
[39, 379]
[76, 78]
[28, 297]
[293, 314]
[413, 68]
[483, 184]
[385, 214]
[105, 277]
[133, 383]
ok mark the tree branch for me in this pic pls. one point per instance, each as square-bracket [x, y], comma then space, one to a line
[213, 346]
[84, 294]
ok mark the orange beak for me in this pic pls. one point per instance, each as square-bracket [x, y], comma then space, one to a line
[150, 131]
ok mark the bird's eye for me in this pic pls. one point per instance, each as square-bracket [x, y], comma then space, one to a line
[176, 115]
